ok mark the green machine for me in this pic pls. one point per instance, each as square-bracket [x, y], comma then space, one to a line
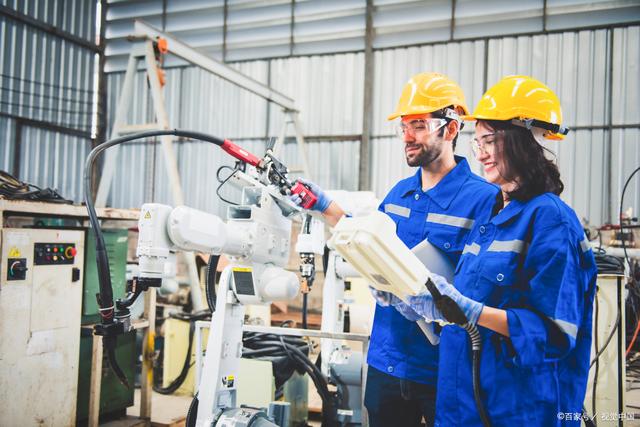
[116, 242]
[114, 397]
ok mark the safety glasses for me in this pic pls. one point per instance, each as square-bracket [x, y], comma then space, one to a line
[419, 127]
[484, 144]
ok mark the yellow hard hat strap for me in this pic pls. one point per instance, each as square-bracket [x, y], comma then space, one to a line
[531, 123]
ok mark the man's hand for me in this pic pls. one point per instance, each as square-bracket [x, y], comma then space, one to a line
[323, 201]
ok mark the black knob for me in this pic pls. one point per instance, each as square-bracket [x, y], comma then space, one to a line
[20, 267]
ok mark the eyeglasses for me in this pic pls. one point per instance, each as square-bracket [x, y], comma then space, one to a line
[419, 127]
[484, 144]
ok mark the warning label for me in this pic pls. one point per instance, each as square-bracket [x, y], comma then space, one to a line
[228, 381]
[14, 253]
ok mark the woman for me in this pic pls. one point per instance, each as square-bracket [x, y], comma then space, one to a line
[526, 277]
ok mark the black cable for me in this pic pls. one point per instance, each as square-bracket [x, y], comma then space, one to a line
[224, 181]
[14, 189]
[595, 346]
[607, 341]
[270, 346]
[192, 413]
[210, 282]
[344, 397]
[608, 264]
[305, 296]
[454, 314]
[588, 421]
[624, 189]
[187, 364]
[105, 297]
[476, 353]
[109, 344]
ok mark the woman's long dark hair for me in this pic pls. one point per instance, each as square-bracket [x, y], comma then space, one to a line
[524, 162]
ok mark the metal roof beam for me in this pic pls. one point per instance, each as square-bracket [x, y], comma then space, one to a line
[191, 55]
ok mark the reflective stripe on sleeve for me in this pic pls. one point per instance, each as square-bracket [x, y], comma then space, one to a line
[585, 245]
[567, 327]
[455, 221]
[397, 210]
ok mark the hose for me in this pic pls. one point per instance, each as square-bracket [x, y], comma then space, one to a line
[210, 282]
[192, 413]
[476, 351]
[110, 328]
[109, 343]
[179, 380]
[453, 314]
[278, 348]
[304, 310]
[624, 190]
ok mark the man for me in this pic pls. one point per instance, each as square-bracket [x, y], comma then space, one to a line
[440, 203]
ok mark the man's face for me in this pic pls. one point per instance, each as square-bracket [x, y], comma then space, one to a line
[422, 140]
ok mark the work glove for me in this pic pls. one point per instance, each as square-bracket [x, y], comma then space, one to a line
[386, 299]
[406, 310]
[383, 299]
[321, 204]
[424, 305]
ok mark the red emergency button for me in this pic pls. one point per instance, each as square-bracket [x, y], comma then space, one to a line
[70, 252]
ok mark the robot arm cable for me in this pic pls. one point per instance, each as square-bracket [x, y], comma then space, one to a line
[109, 328]
[454, 314]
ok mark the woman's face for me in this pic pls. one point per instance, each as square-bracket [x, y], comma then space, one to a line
[484, 146]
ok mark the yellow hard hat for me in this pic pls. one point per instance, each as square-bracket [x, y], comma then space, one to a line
[526, 102]
[429, 92]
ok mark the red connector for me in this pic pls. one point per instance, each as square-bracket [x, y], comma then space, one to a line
[308, 198]
[240, 153]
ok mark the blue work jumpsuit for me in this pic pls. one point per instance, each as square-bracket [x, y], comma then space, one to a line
[531, 259]
[444, 215]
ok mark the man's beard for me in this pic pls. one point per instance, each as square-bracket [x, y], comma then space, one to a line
[425, 156]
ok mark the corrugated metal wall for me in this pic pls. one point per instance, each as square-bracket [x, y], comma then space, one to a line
[587, 68]
[46, 81]
[54, 160]
[234, 30]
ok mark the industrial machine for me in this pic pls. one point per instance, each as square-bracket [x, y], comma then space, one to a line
[256, 239]
[41, 270]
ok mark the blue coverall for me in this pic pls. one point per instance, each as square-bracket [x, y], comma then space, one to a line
[531, 259]
[444, 215]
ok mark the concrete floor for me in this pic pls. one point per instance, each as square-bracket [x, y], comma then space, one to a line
[170, 411]
[166, 411]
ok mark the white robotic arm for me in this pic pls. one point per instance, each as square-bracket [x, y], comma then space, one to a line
[256, 239]
[163, 230]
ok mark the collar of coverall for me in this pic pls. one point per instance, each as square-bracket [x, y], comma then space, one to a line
[447, 189]
[513, 209]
